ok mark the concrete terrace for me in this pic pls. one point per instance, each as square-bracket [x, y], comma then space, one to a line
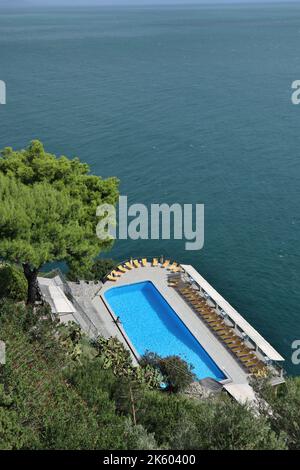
[159, 277]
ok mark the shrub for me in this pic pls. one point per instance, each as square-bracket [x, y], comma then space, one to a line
[177, 373]
[284, 401]
[13, 284]
[116, 357]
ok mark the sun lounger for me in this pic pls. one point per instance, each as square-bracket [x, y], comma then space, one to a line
[246, 358]
[136, 263]
[195, 303]
[219, 331]
[234, 345]
[166, 263]
[237, 346]
[176, 270]
[116, 273]
[199, 310]
[200, 307]
[256, 370]
[261, 372]
[217, 327]
[144, 262]
[122, 269]
[209, 315]
[173, 266]
[227, 335]
[205, 314]
[129, 265]
[154, 262]
[228, 341]
[251, 363]
[258, 366]
[111, 278]
[214, 323]
[207, 310]
[243, 353]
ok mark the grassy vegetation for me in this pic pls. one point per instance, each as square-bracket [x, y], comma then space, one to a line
[59, 391]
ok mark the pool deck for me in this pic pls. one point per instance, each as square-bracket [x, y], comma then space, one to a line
[159, 277]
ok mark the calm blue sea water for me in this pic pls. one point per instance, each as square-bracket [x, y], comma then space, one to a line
[183, 105]
[152, 325]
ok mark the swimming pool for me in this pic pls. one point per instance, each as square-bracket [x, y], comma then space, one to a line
[152, 325]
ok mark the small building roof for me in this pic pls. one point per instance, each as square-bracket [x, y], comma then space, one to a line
[253, 334]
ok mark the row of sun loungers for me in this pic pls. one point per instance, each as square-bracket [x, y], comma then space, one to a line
[137, 263]
[124, 268]
[174, 267]
[226, 334]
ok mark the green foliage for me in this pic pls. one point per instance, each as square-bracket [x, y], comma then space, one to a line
[181, 423]
[225, 425]
[284, 402]
[70, 336]
[161, 414]
[177, 373]
[41, 409]
[97, 272]
[51, 400]
[48, 210]
[13, 283]
[138, 438]
[101, 389]
[13, 435]
[117, 357]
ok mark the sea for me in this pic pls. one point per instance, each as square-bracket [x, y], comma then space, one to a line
[184, 104]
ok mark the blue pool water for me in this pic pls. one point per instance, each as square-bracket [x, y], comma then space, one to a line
[152, 325]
